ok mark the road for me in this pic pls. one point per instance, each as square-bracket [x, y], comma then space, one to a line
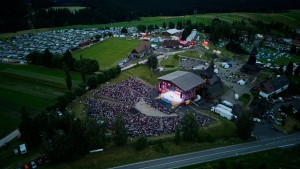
[9, 137]
[145, 60]
[215, 154]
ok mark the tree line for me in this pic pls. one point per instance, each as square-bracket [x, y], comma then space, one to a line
[16, 14]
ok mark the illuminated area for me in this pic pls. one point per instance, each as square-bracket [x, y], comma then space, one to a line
[171, 97]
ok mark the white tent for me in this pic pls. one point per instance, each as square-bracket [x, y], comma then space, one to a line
[216, 70]
[241, 82]
[173, 31]
[226, 66]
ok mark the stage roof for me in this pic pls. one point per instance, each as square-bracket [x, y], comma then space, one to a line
[183, 80]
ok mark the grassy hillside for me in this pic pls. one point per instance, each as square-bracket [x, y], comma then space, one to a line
[290, 18]
[109, 52]
[31, 86]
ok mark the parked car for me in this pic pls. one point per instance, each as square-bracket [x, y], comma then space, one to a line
[33, 165]
[16, 151]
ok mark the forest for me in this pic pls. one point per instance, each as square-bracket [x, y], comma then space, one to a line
[18, 15]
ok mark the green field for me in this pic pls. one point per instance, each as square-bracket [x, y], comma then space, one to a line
[270, 159]
[31, 86]
[109, 52]
[290, 18]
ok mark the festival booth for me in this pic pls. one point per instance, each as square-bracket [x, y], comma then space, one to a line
[177, 88]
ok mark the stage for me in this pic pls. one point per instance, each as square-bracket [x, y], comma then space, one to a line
[171, 97]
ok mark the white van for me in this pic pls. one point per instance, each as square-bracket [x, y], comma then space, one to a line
[23, 149]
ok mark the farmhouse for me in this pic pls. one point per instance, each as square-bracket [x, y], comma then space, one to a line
[171, 44]
[273, 86]
[141, 50]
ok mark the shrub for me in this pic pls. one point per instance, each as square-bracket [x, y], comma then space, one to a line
[141, 143]
[160, 147]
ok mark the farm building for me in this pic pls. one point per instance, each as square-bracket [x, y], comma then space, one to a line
[273, 86]
[171, 44]
[141, 50]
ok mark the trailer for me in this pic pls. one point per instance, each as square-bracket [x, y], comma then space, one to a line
[223, 112]
[225, 107]
[227, 103]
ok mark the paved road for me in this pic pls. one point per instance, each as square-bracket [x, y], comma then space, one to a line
[214, 154]
[145, 60]
[9, 137]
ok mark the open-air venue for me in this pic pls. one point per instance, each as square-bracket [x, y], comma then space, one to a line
[158, 84]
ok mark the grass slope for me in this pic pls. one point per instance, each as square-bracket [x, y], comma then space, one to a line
[109, 52]
[31, 86]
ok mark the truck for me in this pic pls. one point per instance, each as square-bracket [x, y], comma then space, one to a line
[223, 112]
[227, 103]
[23, 149]
[225, 107]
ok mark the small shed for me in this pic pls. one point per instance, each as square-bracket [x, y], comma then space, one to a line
[241, 82]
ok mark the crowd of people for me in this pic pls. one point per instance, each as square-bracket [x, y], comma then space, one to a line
[129, 92]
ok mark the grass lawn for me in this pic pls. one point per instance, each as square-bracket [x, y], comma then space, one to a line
[245, 99]
[31, 86]
[197, 54]
[275, 158]
[289, 123]
[285, 61]
[171, 62]
[109, 52]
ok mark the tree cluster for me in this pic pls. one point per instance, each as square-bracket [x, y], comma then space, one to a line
[267, 27]
[190, 128]
[244, 125]
[63, 137]
[235, 48]
[46, 59]
[152, 62]
[96, 79]
[42, 15]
